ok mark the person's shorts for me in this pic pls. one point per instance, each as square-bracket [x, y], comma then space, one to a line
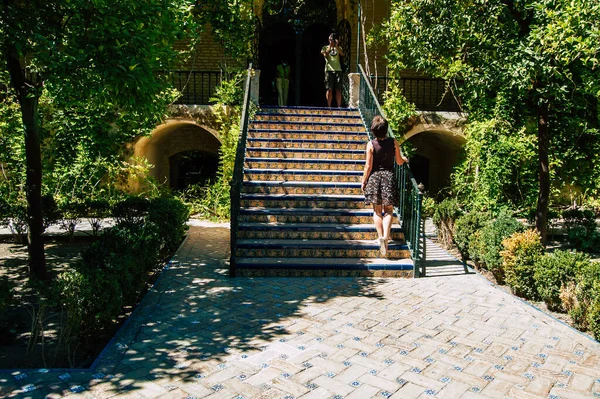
[333, 80]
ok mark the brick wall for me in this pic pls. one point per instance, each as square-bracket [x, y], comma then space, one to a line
[208, 54]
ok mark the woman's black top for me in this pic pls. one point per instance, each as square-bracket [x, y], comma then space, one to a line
[384, 153]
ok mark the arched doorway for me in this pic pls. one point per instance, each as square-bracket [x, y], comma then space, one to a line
[195, 167]
[296, 30]
[437, 152]
[181, 153]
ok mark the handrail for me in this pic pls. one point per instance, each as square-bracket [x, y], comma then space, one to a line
[238, 172]
[411, 198]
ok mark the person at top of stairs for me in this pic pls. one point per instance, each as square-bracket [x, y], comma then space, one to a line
[333, 70]
[378, 182]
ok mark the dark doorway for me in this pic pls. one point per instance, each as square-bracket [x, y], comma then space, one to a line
[278, 42]
[419, 166]
[295, 30]
[192, 168]
[313, 65]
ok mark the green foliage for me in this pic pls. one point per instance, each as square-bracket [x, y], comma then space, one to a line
[582, 230]
[503, 60]
[498, 168]
[520, 254]
[115, 269]
[6, 293]
[397, 109]
[170, 216]
[213, 200]
[487, 243]
[554, 272]
[586, 308]
[444, 216]
[465, 228]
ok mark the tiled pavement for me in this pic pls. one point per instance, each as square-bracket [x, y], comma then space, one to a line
[201, 334]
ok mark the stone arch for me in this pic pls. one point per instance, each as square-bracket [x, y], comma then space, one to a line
[173, 137]
[438, 141]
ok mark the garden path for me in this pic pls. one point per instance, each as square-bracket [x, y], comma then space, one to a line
[201, 334]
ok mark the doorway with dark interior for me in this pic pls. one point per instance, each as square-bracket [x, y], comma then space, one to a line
[295, 30]
[192, 168]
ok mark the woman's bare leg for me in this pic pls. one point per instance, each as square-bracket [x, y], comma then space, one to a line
[387, 221]
[378, 220]
[338, 98]
[329, 97]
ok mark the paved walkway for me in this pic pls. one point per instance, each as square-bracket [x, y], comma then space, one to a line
[200, 334]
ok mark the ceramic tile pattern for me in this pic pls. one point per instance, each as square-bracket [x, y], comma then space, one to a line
[301, 166]
[201, 334]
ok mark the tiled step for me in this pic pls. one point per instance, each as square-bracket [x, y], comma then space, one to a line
[306, 153]
[310, 111]
[311, 118]
[303, 174]
[269, 142]
[314, 231]
[324, 267]
[303, 201]
[306, 134]
[301, 187]
[303, 163]
[306, 215]
[314, 126]
[278, 248]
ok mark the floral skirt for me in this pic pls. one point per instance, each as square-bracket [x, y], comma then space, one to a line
[382, 189]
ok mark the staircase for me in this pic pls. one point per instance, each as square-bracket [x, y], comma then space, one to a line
[302, 208]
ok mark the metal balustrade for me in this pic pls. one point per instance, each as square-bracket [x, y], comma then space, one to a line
[411, 197]
[428, 94]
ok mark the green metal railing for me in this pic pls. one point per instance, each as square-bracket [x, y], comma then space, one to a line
[238, 171]
[409, 211]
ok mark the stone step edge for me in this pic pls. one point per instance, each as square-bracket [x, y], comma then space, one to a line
[326, 172]
[310, 141]
[304, 197]
[301, 183]
[304, 131]
[318, 160]
[325, 263]
[308, 150]
[278, 243]
[293, 107]
[256, 210]
[337, 227]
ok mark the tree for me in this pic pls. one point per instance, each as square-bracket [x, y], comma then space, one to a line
[80, 52]
[530, 63]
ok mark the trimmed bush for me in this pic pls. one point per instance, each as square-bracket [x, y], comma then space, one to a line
[521, 252]
[170, 216]
[131, 210]
[554, 273]
[582, 229]
[444, 215]
[586, 310]
[6, 293]
[488, 243]
[465, 228]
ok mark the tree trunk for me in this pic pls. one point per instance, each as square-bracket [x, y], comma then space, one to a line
[28, 100]
[541, 216]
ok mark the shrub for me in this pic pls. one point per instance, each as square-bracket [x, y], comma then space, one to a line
[6, 293]
[586, 310]
[521, 251]
[581, 229]
[489, 242]
[170, 216]
[131, 210]
[70, 215]
[465, 228]
[444, 217]
[95, 211]
[554, 273]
